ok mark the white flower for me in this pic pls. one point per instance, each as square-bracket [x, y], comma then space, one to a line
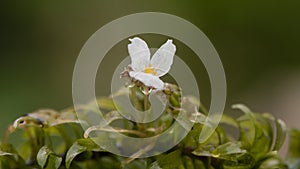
[148, 71]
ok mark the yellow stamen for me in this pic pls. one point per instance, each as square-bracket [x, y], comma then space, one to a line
[150, 70]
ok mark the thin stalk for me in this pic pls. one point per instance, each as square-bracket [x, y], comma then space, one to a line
[136, 104]
[135, 99]
[146, 103]
[117, 130]
[146, 98]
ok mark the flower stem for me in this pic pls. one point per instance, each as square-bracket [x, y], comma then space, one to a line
[146, 103]
[146, 98]
[138, 106]
[135, 99]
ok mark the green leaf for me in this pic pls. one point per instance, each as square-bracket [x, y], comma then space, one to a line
[155, 165]
[188, 162]
[293, 156]
[229, 121]
[274, 163]
[8, 150]
[80, 146]
[228, 148]
[29, 140]
[53, 162]
[221, 152]
[264, 136]
[256, 132]
[242, 107]
[47, 159]
[281, 131]
[168, 161]
[243, 161]
[191, 140]
[108, 162]
[246, 126]
[198, 164]
[43, 155]
[9, 157]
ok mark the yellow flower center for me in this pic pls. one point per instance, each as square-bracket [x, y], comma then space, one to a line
[150, 70]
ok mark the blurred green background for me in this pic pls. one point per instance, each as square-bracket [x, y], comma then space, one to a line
[258, 43]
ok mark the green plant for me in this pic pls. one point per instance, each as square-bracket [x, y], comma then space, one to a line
[58, 139]
[52, 139]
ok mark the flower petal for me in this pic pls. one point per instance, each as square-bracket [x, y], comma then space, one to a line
[139, 54]
[163, 58]
[148, 79]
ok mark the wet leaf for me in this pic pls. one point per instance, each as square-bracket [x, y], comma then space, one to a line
[221, 152]
[43, 155]
[80, 146]
[48, 159]
[53, 162]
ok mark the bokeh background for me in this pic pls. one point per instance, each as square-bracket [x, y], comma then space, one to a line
[258, 43]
